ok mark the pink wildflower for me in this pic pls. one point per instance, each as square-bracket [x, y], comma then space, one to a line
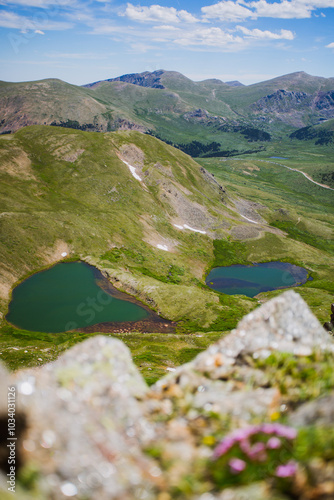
[286, 470]
[224, 446]
[274, 443]
[245, 432]
[279, 430]
[287, 432]
[245, 446]
[269, 428]
[237, 465]
[257, 452]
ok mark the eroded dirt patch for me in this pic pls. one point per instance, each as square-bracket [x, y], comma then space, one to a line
[51, 255]
[16, 163]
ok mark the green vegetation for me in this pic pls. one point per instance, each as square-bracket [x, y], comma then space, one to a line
[67, 191]
[153, 353]
[271, 452]
[297, 233]
[228, 253]
[301, 378]
[321, 134]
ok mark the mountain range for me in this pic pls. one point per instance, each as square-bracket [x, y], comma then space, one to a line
[172, 107]
[151, 217]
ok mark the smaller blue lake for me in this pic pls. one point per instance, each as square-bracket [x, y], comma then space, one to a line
[253, 279]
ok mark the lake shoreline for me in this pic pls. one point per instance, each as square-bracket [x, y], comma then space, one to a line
[150, 322]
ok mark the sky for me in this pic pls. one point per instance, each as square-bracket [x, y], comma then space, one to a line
[82, 41]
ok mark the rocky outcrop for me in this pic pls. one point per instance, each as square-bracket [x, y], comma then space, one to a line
[324, 102]
[282, 101]
[329, 325]
[95, 429]
[291, 106]
[145, 79]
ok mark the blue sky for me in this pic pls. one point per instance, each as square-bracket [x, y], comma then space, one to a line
[81, 41]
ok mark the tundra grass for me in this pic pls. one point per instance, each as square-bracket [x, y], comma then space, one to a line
[93, 206]
[304, 213]
[152, 353]
[69, 188]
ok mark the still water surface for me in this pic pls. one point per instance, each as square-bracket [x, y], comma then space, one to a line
[66, 297]
[257, 278]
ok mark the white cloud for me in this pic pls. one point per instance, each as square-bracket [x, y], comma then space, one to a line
[40, 3]
[157, 13]
[330, 46]
[317, 4]
[15, 21]
[295, 9]
[166, 28]
[10, 20]
[238, 10]
[266, 35]
[105, 28]
[227, 11]
[213, 37]
[39, 32]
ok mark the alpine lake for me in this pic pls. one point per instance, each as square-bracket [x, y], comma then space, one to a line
[76, 296]
[253, 279]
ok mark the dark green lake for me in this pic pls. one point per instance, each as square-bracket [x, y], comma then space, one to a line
[257, 278]
[67, 296]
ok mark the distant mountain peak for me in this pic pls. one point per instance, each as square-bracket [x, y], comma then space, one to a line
[154, 79]
[235, 83]
[145, 79]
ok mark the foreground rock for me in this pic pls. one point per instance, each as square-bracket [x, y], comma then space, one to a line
[96, 431]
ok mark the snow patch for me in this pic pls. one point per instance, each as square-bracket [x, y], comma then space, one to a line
[64, 254]
[170, 369]
[195, 230]
[132, 170]
[250, 220]
[163, 247]
[185, 226]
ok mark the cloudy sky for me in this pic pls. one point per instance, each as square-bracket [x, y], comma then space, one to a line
[81, 41]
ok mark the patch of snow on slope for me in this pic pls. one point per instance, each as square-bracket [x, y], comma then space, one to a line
[163, 247]
[250, 220]
[132, 170]
[185, 226]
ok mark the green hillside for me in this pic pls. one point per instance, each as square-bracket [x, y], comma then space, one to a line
[174, 108]
[71, 191]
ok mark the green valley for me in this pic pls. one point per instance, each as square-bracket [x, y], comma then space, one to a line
[71, 195]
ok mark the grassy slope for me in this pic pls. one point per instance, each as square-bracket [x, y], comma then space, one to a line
[45, 101]
[304, 211]
[109, 103]
[92, 205]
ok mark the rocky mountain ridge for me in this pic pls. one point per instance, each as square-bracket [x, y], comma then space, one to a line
[153, 80]
[153, 101]
[282, 102]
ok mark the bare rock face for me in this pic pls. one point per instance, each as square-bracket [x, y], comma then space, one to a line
[320, 411]
[329, 325]
[86, 427]
[92, 419]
